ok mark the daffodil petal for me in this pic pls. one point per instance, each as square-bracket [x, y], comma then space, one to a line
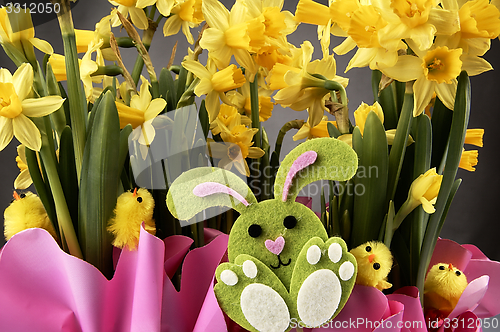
[23, 80]
[362, 58]
[446, 93]
[165, 7]
[474, 65]
[6, 133]
[26, 132]
[197, 69]
[37, 107]
[423, 35]
[212, 105]
[216, 15]
[423, 90]
[139, 18]
[254, 152]
[446, 22]
[42, 45]
[407, 68]
[246, 61]
[155, 107]
[172, 25]
[5, 76]
[346, 46]
[144, 3]
[427, 206]
[204, 87]
[23, 180]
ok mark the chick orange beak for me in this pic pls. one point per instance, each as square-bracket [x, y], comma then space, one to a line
[16, 196]
[135, 192]
[450, 266]
[371, 258]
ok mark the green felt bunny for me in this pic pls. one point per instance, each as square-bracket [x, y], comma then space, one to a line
[283, 270]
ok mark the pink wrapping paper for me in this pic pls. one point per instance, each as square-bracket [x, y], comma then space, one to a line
[44, 289]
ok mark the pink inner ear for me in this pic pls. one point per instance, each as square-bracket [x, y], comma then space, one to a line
[210, 188]
[304, 160]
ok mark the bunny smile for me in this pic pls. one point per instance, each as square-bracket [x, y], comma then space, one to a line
[280, 263]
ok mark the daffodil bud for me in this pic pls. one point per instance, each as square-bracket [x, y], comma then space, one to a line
[423, 191]
[362, 112]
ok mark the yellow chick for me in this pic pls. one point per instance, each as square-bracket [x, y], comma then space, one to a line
[26, 211]
[374, 264]
[443, 287]
[132, 209]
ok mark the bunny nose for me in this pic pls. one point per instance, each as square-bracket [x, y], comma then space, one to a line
[275, 246]
[371, 257]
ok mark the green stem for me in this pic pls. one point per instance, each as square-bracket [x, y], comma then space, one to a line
[78, 109]
[147, 37]
[62, 211]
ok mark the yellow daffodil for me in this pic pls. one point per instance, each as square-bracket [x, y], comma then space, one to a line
[88, 67]
[362, 112]
[338, 13]
[16, 29]
[142, 108]
[228, 35]
[185, 15]
[320, 130]
[423, 191]
[435, 70]
[416, 20]
[364, 32]
[237, 147]
[479, 22]
[228, 117]
[16, 108]
[134, 8]
[102, 31]
[214, 83]
[474, 137]
[468, 160]
[241, 99]
[23, 180]
[305, 91]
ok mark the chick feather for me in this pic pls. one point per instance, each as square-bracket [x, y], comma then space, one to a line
[26, 211]
[132, 209]
[374, 264]
[443, 287]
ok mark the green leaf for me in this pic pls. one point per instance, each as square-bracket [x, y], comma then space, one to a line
[332, 130]
[441, 125]
[457, 136]
[203, 115]
[42, 189]
[370, 183]
[388, 225]
[180, 84]
[398, 149]
[99, 185]
[67, 174]
[387, 99]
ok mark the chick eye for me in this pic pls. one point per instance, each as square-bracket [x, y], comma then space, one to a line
[441, 267]
[254, 230]
[290, 222]
[368, 248]
[139, 199]
[458, 273]
[22, 195]
[376, 266]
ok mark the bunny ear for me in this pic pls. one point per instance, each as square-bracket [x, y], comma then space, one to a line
[205, 187]
[316, 159]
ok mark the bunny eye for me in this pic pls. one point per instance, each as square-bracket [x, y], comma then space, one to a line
[254, 230]
[376, 266]
[139, 199]
[290, 222]
[368, 248]
[441, 267]
[458, 273]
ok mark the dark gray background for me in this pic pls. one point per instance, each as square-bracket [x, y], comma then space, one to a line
[473, 217]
